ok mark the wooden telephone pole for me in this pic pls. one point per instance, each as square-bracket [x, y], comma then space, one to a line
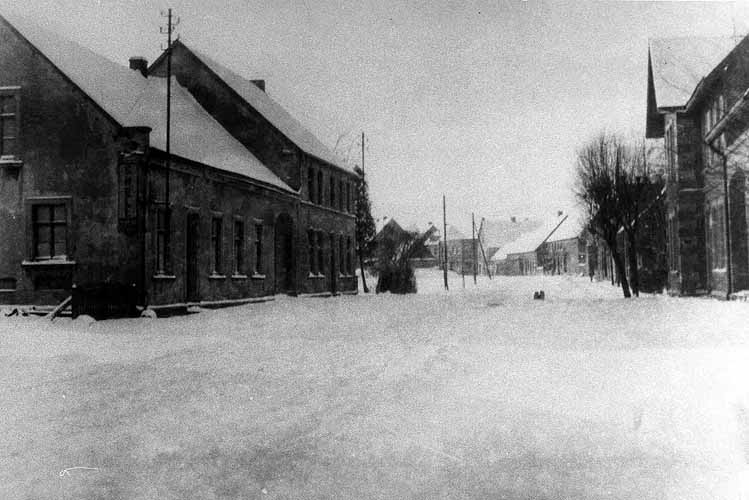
[444, 240]
[171, 24]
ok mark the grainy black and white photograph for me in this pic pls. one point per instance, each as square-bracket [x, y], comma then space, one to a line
[392, 249]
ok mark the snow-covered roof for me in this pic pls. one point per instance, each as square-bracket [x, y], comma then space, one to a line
[571, 227]
[195, 134]
[496, 233]
[530, 241]
[132, 100]
[680, 63]
[271, 111]
[112, 86]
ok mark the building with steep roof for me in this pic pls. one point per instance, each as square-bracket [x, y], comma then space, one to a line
[692, 85]
[247, 203]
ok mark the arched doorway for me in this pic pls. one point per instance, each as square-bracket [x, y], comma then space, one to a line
[284, 254]
[739, 243]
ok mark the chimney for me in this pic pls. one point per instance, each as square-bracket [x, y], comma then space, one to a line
[139, 64]
[259, 84]
[513, 219]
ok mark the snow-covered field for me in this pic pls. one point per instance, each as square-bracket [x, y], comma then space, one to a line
[477, 393]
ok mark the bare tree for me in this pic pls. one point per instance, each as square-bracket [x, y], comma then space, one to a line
[598, 168]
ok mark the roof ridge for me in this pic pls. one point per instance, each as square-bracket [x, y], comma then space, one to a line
[271, 110]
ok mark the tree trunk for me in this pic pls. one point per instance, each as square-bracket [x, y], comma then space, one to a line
[634, 273]
[619, 264]
[361, 266]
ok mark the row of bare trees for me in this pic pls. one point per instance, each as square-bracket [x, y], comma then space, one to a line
[611, 184]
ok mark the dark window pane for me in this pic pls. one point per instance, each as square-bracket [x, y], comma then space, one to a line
[42, 213]
[59, 213]
[60, 243]
[8, 147]
[42, 250]
[9, 128]
[7, 104]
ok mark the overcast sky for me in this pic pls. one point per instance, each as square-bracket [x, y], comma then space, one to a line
[485, 101]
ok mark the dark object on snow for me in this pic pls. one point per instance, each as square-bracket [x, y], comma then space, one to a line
[538, 295]
[105, 300]
[396, 280]
[395, 249]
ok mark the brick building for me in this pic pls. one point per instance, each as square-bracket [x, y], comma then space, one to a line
[696, 89]
[249, 203]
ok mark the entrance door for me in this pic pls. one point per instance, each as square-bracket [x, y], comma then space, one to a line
[191, 258]
[333, 267]
[284, 254]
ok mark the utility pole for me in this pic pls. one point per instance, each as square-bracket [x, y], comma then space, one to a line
[444, 240]
[167, 207]
[483, 253]
[473, 245]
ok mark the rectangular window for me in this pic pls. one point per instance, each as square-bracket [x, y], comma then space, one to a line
[320, 258]
[311, 248]
[50, 227]
[258, 249]
[162, 244]
[310, 185]
[349, 256]
[341, 197]
[127, 191]
[319, 189]
[216, 240]
[238, 247]
[9, 126]
[332, 192]
[341, 256]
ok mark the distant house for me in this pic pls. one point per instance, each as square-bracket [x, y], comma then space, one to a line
[556, 247]
[565, 250]
[422, 255]
[248, 203]
[494, 234]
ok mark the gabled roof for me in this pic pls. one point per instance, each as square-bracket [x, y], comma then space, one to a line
[676, 66]
[195, 134]
[270, 110]
[110, 85]
[132, 100]
[680, 63]
[530, 241]
[569, 228]
[496, 233]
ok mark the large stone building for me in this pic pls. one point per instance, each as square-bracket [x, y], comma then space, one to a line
[696, 95]
[249, 203]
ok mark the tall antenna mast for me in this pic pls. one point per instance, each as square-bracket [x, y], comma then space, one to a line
[171, 24]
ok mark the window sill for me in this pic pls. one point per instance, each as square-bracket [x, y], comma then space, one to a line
[239, 276]
[10, 161]
[47, 263]
[316, 276]
[164, 277]
[257, 276]
[217, 277]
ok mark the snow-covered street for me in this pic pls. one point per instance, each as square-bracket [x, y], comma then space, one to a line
[478, 393]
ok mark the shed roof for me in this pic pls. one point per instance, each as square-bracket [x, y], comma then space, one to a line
[271, 111]
[132, 100]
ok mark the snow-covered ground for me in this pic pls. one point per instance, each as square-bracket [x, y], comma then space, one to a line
[479, 392]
